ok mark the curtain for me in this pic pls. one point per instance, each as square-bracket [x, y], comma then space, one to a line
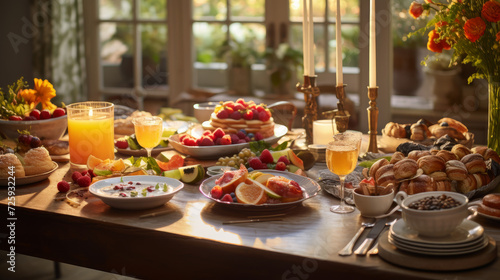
[58, 47]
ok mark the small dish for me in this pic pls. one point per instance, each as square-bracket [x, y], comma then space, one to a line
[138, 202]
[218, 170]
[19, 181]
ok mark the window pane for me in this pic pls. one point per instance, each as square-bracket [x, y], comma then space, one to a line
[153, 9]
[296, 10]
[349, 10]
[154, 54]
[116, 46]
[350, 50]
[319, 44]
[209, 9]
[115, 9]
[250, 41]
[247, 10]
[208, 40]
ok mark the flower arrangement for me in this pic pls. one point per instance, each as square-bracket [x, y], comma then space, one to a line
[469, 27]
[19, 101]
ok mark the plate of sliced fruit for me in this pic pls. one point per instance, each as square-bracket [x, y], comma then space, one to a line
[262, 190]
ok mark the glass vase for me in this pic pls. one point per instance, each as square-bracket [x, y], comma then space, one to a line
[494, 113]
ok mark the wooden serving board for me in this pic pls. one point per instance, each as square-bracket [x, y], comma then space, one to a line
[390, 253]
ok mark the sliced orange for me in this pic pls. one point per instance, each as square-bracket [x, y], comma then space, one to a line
[93, 161]
[250, 193]
[117, 165]
[231, 179]
[175, 162]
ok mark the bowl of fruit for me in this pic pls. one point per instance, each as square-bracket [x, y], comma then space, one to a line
[19, 113]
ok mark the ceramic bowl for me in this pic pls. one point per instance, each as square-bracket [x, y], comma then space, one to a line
[373, 205]
[433, 223]
[202, 111]
[52, 128]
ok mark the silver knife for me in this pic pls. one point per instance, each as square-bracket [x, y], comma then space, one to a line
[372, 235]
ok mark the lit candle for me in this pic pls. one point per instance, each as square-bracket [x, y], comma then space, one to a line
[305, 38]
[372, 50]
[338, 37]
[311, 39]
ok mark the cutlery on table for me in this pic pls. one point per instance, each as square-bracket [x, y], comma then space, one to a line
[374, 249]
[347, 250]
[372, 235]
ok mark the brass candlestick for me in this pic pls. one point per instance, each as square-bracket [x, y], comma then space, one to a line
[372, 119]
[340, 116]
[311, 93]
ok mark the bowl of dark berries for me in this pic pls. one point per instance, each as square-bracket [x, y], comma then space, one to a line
[433, 214]
[42, 124]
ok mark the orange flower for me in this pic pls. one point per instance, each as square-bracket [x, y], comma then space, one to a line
[433, 44]
[416, 9]
[29, 96]
[491, 11]
[43, 93]
[474, 29]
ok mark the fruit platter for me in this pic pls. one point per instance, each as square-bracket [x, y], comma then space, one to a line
[262, 190]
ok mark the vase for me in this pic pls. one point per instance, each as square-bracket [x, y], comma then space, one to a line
[494, 113]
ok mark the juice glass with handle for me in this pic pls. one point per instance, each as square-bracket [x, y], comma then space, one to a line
[148, 132]
[341, 159]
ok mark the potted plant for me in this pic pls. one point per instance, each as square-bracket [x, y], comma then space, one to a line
[282, 63]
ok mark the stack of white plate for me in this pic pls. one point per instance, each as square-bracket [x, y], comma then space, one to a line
[467, 238]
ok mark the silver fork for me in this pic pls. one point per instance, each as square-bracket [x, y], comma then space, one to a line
[374, 249]
[347, 250]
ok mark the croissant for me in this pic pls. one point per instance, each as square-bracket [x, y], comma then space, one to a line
[460, 127]
[422, 183]
[395, 130]
[467, 185]
[419, 132]
[430, 164]
[456, 170]
[460, 151]
[439, 130]
[474, 163]
[446, 155]
[405, 168]
[385, 175]
[379, 163]
[397, 156]
[415, 155]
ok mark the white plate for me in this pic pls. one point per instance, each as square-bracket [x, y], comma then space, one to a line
[28, 179]
[439, 251]
[445, 247]
[466, 232]
[210, 152]
[136, 203]
[309, 186]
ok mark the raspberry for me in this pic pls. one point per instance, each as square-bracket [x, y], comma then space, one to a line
[222, 114]
[235, 115]
[218, 133]
[266, 156]
[216, 192]
[247, 139]
[227, 197]
[248, 115]
[63, 186]
[264, 116]
[206, 141]
[85, 173]
[58, 112]
[255, 163]
[234, 138]
[218, 141]
[281, 166]
[226, 140]
[241, 134]
[83, 181]
[35, 113]
[45, 114]
[255, 114]
[75, 176]
[258, 136]
[121, 144]
[91, 173]
[241, 141]
[284, 159]
[15, 118]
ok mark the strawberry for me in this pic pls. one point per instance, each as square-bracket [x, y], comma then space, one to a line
[206, 141]
[227, 197]
[58, 112]
[241, 101]
[121, 144]
[218, 133]
[229, 104]
[280, 166]
[216, 192]
[266, 156]
[45, 114]
[63, 186]
[29, 118]
[226, 140]
[84, 181]
[189, 141]
[255, 114]
[209, 134]
[260, 108]
[239, 107]
[236, 115]
[284, 159]
[256, 163]
[15, 118]
[35, 113]
[222, 114]
[264, 115]
[248, 115]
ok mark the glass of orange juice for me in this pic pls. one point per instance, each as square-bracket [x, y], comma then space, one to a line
[148, 132]
[341, 159]
[90, 131]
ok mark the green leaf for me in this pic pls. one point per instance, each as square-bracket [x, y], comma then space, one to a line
[152, 164]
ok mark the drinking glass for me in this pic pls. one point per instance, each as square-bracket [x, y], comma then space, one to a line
[341, 159]
[148, 132]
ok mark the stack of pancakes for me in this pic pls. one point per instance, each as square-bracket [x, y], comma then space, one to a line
[265, 128]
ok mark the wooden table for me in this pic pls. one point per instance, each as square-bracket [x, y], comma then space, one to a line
[190, 242]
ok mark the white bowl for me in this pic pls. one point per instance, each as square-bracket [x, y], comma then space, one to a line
[373, 205]
[202, 111]
[433, 223]
[138, 202]
[53, 128]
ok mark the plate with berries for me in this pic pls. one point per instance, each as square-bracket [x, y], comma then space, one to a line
[205, 144]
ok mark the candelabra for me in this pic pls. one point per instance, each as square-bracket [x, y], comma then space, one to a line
[372, 119]
[311, 93]
[340, 115]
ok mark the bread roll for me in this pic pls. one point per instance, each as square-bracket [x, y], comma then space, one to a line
[422, 183]
[395, 130]
[481, 179]
[492, 200]
[488, 210]
[460, 127]
[379, 163]
[419, 132]
[467, 185]
[415, 155]
[439, 131]
[397, 156]
[10, 166]
[460, 151]
[37, 161]
[491, 154]
[405, 168]
[385, 175]
[430, 164]
[479, 150]
[56, 147]
[443, 185]
[474, 163]
[446, 155]
[456, 170]
[439, 176]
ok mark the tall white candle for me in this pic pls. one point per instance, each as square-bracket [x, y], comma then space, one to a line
[305, 38]
[373, 50]
[338, 38]
[311, 39]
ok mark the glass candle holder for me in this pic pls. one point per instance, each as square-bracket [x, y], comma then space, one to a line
[91, 132]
